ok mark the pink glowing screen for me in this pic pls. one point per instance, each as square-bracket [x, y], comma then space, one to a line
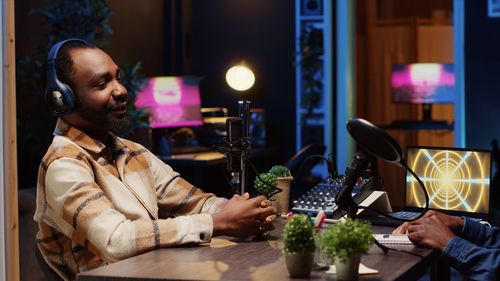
[171, 101]
[423, 83]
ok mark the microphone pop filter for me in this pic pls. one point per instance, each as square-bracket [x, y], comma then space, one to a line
[375, 140]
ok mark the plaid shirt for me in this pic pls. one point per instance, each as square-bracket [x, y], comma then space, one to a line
[98, 204]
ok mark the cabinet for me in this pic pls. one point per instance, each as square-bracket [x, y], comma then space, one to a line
[314, 93]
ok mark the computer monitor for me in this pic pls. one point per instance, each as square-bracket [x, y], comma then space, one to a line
[171, 101]
[426, 83]
[457, 180]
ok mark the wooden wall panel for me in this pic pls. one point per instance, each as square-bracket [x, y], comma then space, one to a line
[9, 149]
[391, 36]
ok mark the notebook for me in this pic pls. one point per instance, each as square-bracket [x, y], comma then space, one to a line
[457, 180]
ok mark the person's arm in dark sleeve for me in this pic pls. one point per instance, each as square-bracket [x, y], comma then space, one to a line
[477, 263]
[480, 234]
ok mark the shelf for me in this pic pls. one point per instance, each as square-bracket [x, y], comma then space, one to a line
[419, 125]
[312, 18]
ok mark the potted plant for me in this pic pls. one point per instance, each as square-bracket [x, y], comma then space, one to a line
[275, 185]
[284, 179]
[343, 244]
[299, 245]
[265, 184]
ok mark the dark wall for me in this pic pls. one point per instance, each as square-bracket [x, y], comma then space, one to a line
[482, 75]
[261, 33]
[137, 34]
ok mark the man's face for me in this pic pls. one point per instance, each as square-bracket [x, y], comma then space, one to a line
[101, 98]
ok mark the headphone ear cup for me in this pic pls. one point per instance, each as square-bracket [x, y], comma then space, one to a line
[59, 96]
[61, 101]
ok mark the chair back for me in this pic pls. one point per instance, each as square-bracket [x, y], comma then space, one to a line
[311, 149]
[303, 181]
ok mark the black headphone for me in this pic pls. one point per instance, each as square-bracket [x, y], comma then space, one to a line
[59, 96]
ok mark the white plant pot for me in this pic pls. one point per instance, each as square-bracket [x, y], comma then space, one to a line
[349, 270]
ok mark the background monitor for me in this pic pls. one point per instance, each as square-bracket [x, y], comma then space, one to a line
[171, 101]
[423, 83]
[457, 180]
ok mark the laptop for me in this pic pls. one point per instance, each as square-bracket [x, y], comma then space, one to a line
[457, 180]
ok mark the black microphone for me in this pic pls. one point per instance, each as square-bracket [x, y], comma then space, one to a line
[244, 114]
[344, 197]
[234, 137]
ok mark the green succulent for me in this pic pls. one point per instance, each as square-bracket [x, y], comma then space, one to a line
[298, 235]
[344, 239]
[280, 171]
[263, 188]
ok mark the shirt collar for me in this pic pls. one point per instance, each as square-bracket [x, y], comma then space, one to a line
[65, 129]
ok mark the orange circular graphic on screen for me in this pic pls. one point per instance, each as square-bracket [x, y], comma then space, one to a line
[455, 180]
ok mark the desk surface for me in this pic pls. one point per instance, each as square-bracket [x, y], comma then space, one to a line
[231, 259]
[209, 158]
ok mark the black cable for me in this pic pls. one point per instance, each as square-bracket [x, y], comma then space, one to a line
[233, 191]
[227, 147]
[384, 248]
[426, 208]
[277, 189]
[299, 170]
[333, 166]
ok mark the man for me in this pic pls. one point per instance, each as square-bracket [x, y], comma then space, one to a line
[472, 248]
[101, 198]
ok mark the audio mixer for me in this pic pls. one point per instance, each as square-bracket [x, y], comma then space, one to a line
[322, 196]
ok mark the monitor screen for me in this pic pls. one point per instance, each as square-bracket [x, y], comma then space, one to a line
[171, 101]
[457, 180]
[423, 83]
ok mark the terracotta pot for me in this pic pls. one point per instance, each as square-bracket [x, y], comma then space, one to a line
[283, 197]
[349, 270]
[299, 265]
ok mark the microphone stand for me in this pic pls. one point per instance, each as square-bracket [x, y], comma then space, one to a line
[237, 147]
[344, 198]
[244, 114]
[352, 212]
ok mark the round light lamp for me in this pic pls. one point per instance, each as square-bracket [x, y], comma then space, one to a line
[240, 77]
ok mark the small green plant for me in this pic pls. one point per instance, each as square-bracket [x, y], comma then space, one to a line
[344, 239]
[267, 187]
[298, 235]
[280, 171]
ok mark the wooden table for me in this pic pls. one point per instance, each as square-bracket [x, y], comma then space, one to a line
[232, 259]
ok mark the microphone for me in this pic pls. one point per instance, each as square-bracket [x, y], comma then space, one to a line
[244, 114]
[344, 197]
[237, 146]
[234, 137]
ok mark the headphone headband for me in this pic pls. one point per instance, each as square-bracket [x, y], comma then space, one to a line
[58, 95]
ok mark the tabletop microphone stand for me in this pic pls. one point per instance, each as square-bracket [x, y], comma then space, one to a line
[344, 199]
[244, 114]
[238, 147]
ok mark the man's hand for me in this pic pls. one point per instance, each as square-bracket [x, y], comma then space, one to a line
[263, 204]
[453, 223]
[243, 216]
[430, 232]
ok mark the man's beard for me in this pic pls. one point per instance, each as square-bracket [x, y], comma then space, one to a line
[100, 118]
